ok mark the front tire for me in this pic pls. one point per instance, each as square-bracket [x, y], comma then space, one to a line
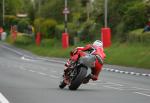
[79, 79]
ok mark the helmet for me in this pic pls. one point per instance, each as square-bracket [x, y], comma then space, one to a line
[98, 43]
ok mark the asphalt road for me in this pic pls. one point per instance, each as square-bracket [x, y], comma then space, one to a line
[26, 78]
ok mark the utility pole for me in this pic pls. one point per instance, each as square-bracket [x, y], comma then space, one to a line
[3, 12]
[106, 12]
[65, 35]
[66, 16]
[39, 13]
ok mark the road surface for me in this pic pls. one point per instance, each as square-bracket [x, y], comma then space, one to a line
[26, 78]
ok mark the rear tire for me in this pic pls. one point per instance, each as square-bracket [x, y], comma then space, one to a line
[79, 79]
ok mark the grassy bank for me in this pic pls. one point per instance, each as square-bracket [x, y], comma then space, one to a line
[127, 54]
[136, 55]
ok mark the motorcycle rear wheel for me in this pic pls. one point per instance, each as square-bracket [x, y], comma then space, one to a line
[77, 81]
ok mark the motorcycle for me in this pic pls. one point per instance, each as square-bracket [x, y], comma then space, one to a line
[79, 70]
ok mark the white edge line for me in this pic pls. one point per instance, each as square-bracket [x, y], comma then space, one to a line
[3, 99]
[23, 58]
[15, 51]
[142, 94]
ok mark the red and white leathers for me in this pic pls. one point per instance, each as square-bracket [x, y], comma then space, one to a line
[96, 50]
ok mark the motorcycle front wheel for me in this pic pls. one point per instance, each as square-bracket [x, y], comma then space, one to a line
[77, 81]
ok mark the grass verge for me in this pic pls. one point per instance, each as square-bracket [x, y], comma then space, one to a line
[127, 54]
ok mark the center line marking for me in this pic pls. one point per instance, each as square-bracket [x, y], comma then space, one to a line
[32, 71]
[42, 73]
[112, 87]
[53, 76]
[141, 88]
[115, 84]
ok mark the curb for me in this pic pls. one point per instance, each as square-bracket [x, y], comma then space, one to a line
[126, 72]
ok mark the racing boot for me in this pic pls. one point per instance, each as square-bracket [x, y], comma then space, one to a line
[90, 76]
[86, 80]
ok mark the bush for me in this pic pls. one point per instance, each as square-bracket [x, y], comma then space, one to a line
[22, 25]
[48, 28]
[10, 20]
[59, 30]
[138, 36]
[121, 35]
[90, 31]
[49, 43]
[37, 24]
[23, 40]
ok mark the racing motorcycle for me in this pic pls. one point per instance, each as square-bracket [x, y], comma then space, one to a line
[78, 71]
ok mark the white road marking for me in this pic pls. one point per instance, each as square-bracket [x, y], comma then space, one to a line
[126, 72]
[53, 76]
[22, 68]
[112, 87]
[141, 88]
[115, 84]
[23, 58]
[42, 73]
[32, 71]
[15, 51]
[53, 71]
[92, 83]
[3, 99]
[121, 71]
[142, 94]
[61, 73]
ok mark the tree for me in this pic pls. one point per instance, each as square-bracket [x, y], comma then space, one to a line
[12, 7]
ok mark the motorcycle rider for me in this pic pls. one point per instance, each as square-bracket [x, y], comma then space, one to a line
[95, 49]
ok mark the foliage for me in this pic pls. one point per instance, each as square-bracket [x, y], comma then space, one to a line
[123, 16]
[59, 30]
[126, 16]
[37, 24]
[10, 20]
[23, 40]
[135, 16]
[90, 31]
[48, 28]
[22, 25]
[11, 7]
[52, 9]
[139, 36]
[48, 43]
